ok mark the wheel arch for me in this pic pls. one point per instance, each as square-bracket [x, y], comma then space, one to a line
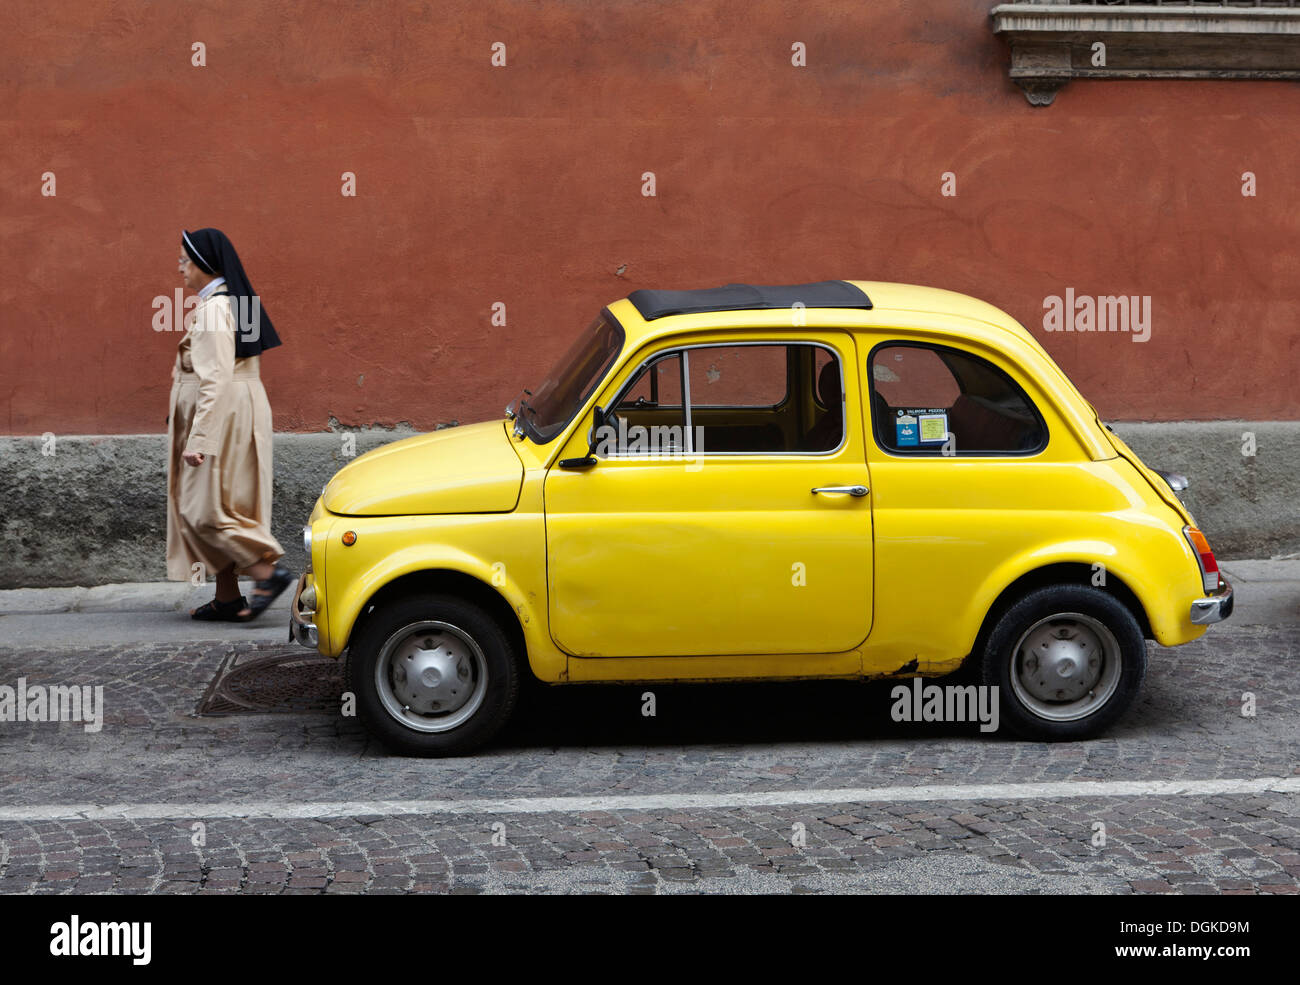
[448, 581]
[1059, 573]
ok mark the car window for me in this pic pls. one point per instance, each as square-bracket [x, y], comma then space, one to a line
[763, 398]
[544, 410]
[911, 376]
[658, 384]
[785, 398]
[738, 375]
[935, 400]
[648, 417]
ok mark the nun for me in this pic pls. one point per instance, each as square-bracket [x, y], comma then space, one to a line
[219, 437]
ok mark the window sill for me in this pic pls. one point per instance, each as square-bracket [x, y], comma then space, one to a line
[1054, 41]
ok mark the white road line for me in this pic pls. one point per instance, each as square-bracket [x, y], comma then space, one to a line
[282, 810]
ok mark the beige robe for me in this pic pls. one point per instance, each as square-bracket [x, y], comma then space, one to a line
[219, 512]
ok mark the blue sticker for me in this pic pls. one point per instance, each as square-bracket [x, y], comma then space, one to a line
[905, 433]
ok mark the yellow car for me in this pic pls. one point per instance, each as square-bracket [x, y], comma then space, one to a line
[847, 479]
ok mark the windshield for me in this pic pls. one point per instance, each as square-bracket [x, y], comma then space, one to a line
[544, 410]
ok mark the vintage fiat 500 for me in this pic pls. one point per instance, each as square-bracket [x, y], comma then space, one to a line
[847, 479]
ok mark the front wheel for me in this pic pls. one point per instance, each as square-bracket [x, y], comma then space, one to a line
[433, 675]
[1067, 661]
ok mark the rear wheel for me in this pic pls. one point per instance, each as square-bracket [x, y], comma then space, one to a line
[1067, 661]
[434, 675]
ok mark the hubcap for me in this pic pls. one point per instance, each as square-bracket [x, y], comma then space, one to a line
[431, 676]
[1066, 666]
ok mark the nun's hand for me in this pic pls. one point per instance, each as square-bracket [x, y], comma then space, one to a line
[192, 457]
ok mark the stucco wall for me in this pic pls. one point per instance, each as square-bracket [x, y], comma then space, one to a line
[523, 184]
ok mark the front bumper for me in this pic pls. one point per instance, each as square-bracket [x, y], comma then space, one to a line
[301, 629]
[1213, 608]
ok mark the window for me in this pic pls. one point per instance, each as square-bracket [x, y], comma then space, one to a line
[658, 385]
[933, 400]
[544, 411]
[738, 376]
[648, 417]
[761, 398]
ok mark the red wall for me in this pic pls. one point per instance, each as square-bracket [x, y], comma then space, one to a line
[523, 184]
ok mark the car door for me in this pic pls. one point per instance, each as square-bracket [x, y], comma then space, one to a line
[728, 511]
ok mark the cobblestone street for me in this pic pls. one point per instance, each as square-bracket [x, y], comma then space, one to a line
[153, 802]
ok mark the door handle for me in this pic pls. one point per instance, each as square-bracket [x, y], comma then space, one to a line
[851, 490]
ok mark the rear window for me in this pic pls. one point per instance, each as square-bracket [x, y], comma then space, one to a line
[935, 400]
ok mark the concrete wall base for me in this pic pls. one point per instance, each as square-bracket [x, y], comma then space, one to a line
[94, 511]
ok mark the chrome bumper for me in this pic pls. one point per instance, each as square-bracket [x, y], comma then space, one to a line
[1213, 608]
[300, 630]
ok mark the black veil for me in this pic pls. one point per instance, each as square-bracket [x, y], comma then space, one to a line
[213, 253]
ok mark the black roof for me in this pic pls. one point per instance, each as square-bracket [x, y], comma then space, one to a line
[744, 297]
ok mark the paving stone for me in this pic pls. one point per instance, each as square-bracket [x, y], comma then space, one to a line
[152, 748]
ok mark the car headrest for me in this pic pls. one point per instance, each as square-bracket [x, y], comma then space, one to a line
[828, 386]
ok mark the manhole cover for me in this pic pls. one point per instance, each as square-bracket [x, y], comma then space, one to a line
[262, 683]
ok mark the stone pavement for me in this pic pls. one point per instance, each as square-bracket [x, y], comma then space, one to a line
[771, 738]
[1228, 846]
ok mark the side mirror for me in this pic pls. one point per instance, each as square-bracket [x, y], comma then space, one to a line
[586, 462]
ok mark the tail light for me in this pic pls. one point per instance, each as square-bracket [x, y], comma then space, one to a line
[1204, 557]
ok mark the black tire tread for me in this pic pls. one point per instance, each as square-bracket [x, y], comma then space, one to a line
[499, 652]
[1042, 602]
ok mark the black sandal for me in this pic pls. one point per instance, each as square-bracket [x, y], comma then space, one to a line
[218, 611]
[274, 586]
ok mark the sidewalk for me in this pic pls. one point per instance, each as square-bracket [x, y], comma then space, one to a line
[1267, 593]
[139, 612]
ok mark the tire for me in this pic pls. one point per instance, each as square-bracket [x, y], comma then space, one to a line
[1067, 660]
[467, 682]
